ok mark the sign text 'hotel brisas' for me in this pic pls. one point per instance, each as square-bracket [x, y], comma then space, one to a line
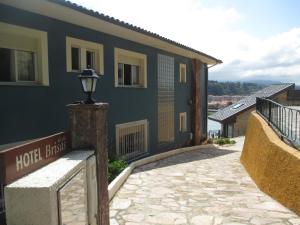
[26, 158]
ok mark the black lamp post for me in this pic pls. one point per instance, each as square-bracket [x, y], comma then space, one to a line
[88, 79]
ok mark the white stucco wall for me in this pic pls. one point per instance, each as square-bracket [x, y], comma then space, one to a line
[32, 200]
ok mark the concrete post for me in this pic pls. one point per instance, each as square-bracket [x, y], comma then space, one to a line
[88, 128]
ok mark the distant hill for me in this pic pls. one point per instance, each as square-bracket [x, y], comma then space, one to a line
[233, 88]
[264, 82]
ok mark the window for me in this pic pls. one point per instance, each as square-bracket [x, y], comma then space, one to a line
[237, 106]
[130, 69]
[182, 122]
[23, 55]
[182, 73]
[132, 139]
[16, 65]
[165, 100]
[84, 54]
[75, 59]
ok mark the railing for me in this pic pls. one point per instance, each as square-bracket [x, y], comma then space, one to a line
[132, 139]
[284, 120]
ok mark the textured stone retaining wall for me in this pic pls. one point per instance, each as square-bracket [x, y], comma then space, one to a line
[272, 164]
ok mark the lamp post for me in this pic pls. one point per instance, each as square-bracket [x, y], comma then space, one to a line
[88, 79]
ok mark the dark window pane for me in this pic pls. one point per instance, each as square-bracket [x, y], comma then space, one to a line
[5, 64]
[90, 59]
[75, 58]
[120, 74]
[127, 74]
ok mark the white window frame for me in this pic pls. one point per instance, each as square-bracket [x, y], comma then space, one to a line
[182, 116]
[128, 125]
[11, 37]
[132, 58]
[83, 47]
[182, 77]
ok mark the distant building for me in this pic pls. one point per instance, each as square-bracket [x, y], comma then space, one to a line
[234, 118]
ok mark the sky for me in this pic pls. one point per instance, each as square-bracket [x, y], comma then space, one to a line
[256, 40]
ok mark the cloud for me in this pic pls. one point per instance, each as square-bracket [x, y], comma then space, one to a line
[216, 31]
[274, 58]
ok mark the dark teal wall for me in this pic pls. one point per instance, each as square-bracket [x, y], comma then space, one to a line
[30, 112]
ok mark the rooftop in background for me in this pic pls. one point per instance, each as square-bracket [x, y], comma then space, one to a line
[248, 102]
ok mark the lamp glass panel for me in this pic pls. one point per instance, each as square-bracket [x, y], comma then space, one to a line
[89, 84]
[94, 85]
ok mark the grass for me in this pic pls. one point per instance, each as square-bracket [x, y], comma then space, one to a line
[223, 141]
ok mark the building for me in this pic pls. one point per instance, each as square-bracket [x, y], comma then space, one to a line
[156, 88]
[234, 118]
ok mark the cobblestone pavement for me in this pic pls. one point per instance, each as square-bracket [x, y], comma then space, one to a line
[202, 187]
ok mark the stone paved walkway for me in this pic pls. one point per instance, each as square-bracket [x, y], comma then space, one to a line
[203, 187]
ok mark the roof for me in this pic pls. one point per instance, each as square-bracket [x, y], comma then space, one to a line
[67, 12]
[246, 103]
[126, 25]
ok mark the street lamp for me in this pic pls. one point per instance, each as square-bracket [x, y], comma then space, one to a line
[88, 79]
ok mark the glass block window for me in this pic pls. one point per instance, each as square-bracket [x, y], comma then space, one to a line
[132, 139]
[165, 99]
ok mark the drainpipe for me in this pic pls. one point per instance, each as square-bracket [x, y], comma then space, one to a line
[217, 62]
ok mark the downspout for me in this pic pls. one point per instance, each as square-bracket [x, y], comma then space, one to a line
[217, 62]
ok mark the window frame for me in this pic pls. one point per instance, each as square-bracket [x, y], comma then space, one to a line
[128, 125]
[16, 68]
[132, 58]
[84, 46]
[38, 46]
[184, 117]
[182, 66]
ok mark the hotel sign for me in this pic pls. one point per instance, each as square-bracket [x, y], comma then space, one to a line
[21, 160]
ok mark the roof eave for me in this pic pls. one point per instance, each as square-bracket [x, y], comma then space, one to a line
[75, 14]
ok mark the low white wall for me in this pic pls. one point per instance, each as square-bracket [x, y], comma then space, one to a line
[32, 200]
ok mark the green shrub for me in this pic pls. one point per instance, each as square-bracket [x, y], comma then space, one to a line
[115, 167]
[224, 141]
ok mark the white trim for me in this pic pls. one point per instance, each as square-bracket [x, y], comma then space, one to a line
[129, 124]
[84, 46]
[38, 45]
[132, 58]
[182, 66]
[72, 16]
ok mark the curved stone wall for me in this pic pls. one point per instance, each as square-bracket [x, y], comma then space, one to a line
[272, 164]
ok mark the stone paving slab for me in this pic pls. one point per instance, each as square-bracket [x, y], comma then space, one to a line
[203, 187]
